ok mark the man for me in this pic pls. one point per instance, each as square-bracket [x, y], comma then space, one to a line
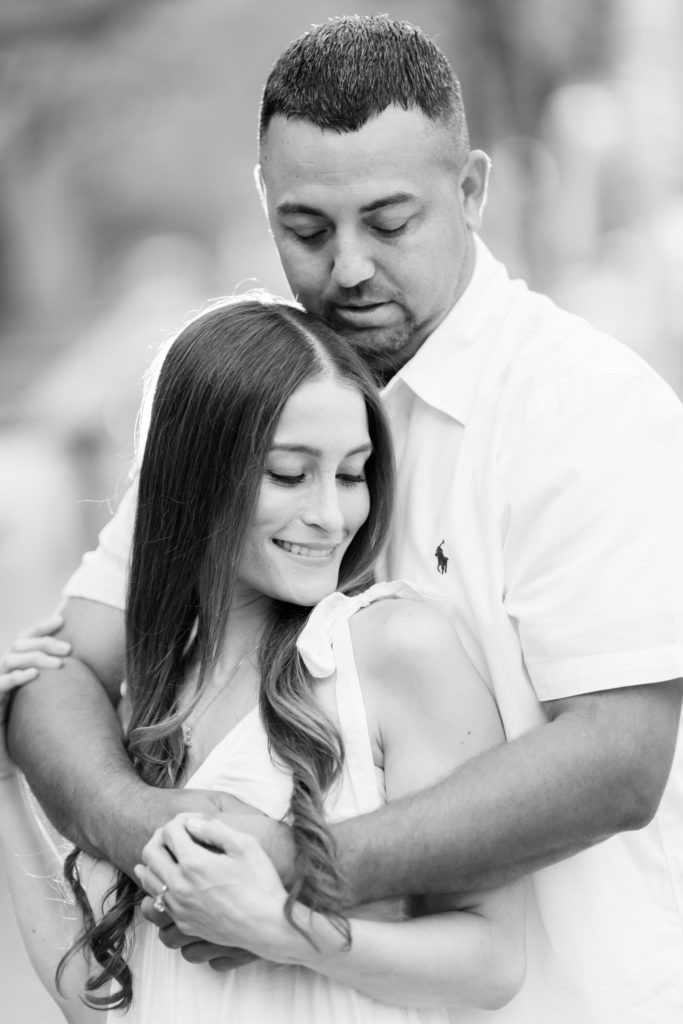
[539, 457]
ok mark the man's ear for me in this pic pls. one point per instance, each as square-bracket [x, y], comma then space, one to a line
[261, 188]
[473, 180]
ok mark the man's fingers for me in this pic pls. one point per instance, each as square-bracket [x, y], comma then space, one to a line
[150, 913]
[239, 958]
[172, 937]
[44, 627]
[198, 952]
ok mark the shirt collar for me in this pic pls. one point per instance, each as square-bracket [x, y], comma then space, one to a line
[446, 368]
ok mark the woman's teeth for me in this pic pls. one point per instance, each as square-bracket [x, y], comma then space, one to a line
[303, 550]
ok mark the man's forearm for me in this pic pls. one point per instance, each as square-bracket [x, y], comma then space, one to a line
[65, 736]
[551, 793]
[486, 825]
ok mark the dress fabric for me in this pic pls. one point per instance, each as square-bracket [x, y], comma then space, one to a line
[167, 990]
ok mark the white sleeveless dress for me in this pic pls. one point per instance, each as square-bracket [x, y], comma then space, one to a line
[167, 990]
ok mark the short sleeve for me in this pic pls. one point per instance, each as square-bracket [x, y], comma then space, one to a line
[103, 574]
[592, 521]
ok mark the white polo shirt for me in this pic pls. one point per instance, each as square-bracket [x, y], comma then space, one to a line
[544, 462]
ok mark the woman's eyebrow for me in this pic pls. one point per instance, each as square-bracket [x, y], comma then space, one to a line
[308, 450]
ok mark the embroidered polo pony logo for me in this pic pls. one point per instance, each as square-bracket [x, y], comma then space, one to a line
[441, 559]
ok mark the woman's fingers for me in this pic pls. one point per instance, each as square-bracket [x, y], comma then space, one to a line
[11, 661]
[47, 644]
[44, 627]
[175, 838]
[245, 863]
[150, 881]
[189, 833]
[11, 680]
[33, 649]
[157, 857]
[215, 834]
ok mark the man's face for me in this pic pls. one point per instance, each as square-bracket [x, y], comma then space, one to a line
[374, 227]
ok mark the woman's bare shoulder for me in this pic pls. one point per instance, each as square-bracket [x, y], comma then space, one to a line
[427, 704]
[403, 639]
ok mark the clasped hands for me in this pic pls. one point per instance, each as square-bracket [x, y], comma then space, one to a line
[222, 894]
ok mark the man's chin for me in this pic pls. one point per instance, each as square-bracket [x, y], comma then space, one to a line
[375, 341]
[384, 352]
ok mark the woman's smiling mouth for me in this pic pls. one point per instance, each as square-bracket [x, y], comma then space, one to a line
[304, 550]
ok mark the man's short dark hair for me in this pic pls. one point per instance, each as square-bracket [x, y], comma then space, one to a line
[348, 70]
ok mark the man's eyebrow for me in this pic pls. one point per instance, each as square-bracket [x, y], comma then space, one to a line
[395, 199]
[293, 208]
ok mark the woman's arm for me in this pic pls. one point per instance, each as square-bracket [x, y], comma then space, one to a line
[431, 712]
[47, 922]
[233, 895]
[33, 868]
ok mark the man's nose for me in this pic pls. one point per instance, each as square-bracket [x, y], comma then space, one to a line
[352, 263]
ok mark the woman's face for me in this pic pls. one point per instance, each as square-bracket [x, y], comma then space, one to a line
[313, 496]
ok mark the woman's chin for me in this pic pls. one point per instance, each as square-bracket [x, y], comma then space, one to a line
[308, 593]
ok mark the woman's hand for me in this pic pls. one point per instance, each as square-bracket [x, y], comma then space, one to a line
[34, 649]
[217, 884]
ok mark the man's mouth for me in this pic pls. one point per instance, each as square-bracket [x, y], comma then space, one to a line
[363, 314]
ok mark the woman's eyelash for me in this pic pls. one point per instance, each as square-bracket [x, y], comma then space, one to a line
[287, 481]
[348, 480]
[345, 479]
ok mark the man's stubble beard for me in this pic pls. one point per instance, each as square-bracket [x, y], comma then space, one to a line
[383, 351]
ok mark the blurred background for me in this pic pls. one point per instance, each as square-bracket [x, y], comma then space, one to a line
[127, 142]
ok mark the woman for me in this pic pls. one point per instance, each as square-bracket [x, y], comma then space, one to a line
[265, 492]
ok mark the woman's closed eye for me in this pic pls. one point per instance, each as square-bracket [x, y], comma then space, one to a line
[350, 479]
[287, 479]
[292, 479]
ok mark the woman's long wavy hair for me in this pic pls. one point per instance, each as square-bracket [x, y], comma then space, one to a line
[221, 390]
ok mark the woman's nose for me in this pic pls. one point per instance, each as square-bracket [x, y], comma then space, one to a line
[324, 509]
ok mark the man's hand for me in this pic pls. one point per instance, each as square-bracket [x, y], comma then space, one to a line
[192, 949]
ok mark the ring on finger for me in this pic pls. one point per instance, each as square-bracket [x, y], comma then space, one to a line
[159, 902]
